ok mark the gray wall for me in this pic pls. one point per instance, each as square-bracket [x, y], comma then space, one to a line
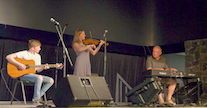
[90, 15]
[137, 22]
[176, 60]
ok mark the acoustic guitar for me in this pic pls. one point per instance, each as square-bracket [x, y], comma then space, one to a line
[14, 72]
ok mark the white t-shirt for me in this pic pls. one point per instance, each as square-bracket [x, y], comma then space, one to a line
[26, 55]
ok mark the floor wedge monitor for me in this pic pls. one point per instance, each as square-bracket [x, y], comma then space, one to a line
[146, 92]
[81, 91]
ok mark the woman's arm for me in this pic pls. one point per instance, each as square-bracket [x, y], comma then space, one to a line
[93, 52]
[80, 49]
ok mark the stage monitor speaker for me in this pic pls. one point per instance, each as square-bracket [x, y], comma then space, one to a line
[146, 92]
[76, 90]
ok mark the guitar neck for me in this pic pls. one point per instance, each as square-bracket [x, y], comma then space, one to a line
[39, 66]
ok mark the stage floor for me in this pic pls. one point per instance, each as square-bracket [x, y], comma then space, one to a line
[20, 104]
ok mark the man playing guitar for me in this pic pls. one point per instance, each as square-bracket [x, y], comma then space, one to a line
[32, 54]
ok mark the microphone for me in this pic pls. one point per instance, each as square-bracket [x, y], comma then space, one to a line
[106, 31]
[67, 24]
[53, 20]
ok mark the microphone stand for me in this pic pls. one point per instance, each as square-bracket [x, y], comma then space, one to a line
[56, 71]
[105, 51]
[65, 51]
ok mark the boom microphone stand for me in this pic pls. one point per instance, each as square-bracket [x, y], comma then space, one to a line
[65, 51]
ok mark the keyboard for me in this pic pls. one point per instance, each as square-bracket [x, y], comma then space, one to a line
[164, 73]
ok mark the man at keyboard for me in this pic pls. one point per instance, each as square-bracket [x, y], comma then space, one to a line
[157, 62]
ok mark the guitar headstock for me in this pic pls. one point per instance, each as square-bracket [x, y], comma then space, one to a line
[59, 65]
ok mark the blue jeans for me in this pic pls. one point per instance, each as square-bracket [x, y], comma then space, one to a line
[38, 80]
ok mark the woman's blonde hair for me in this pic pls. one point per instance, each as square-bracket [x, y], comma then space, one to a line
[76, 38]
[33, 43]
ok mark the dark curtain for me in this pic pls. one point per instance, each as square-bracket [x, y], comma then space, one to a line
[129, 67]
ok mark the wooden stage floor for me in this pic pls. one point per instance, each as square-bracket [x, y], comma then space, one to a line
[20, 104]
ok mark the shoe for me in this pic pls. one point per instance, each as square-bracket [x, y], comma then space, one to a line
[170, 103]
[161, 101]
[37, 102]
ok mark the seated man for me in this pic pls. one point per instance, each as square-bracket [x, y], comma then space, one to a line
[33, 54]
[157, 62]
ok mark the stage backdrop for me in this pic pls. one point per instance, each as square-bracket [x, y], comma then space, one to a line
[128, 66]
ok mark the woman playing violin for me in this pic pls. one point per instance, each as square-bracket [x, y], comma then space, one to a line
[82, 65]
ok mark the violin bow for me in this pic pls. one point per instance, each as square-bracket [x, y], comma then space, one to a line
[91, 37]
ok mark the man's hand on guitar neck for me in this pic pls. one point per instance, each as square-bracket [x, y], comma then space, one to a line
[46, 66]
[43, 68]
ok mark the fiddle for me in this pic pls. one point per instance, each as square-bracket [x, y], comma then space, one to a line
[90, 41]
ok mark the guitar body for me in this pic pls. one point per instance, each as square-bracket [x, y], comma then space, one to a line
[14, 72]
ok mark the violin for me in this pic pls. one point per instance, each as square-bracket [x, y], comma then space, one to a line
[90, 41]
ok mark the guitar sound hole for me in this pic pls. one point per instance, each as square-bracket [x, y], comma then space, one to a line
[27, 66]
[18, 68]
